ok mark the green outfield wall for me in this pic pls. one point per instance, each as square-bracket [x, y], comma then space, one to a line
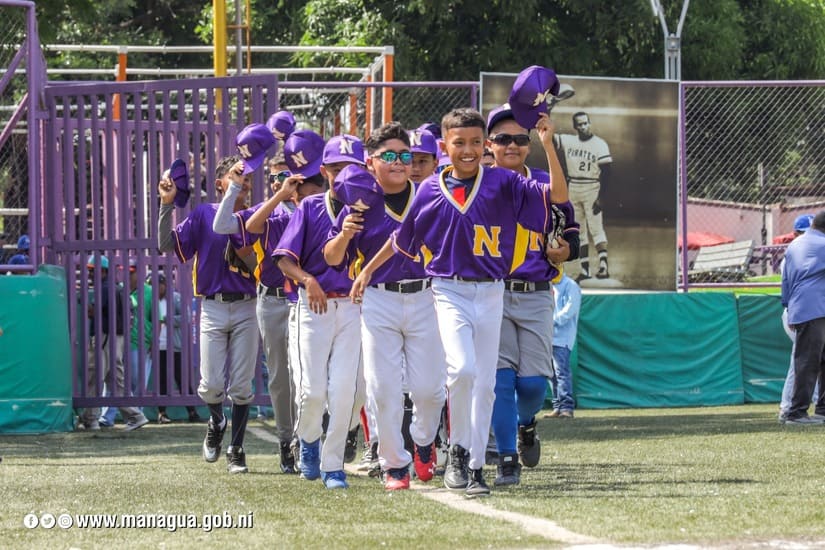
[679, 350]
[633, 350]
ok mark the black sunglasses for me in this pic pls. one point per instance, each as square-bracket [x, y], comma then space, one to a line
[389, 157]
[280, 176]
[522, 140]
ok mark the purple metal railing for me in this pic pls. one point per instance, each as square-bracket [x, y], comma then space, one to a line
[102, 167]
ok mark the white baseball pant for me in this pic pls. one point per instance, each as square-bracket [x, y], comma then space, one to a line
[469, 321]
[399, 332]
[331, 377]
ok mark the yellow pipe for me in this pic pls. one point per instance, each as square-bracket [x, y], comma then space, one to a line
[219, 43]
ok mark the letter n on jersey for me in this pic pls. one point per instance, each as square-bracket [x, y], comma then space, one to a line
[483, 239]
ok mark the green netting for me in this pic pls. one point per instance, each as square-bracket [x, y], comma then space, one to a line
[658, 350]
[35, 357]
[766, 349]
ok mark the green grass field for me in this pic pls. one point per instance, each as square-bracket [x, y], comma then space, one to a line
[723, 476]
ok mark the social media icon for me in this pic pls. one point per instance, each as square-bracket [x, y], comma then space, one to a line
[31, 521]
[64, 521]
[47, 521]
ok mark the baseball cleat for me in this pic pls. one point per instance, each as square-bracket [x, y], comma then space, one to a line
[508, 471]
[397, 479]
[529, 447]
[311, 459]
[455, 476]
[212, 441]
[287, 458]
[236, 460]
[351, 447]
[425, 461]
[335, 480]
[476, 486]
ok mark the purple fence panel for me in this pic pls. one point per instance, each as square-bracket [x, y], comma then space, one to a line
[106, 146]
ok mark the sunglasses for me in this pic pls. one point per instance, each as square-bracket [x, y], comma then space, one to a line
[280, 176]
[521, 140]
[389, 157]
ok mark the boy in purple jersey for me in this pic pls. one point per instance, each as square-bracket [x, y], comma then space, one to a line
[272, 308]
[329, 335]
[400, 341]
[425, 155]
[466, 217]
[227, 323]
[525, 352]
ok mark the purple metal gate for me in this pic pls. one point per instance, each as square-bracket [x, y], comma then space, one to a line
[105, 147]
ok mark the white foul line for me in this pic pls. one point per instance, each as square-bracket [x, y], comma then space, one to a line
[532, 525]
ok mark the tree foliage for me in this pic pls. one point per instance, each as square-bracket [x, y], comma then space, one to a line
[456, 39]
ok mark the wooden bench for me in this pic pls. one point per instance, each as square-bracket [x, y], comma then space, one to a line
[722, 262]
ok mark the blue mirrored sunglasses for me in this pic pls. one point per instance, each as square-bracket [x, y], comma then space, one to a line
[389, 157]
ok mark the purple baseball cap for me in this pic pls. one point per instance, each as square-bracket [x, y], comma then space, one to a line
[443, 158]
[528, 98]
[303, 153]
[358, 189]
[344, 148]
[502, 112]
[423, 141]
[179, 173]
[253, 142]
[281, 124]
[431, 127]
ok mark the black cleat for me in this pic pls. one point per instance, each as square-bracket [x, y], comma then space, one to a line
[236, 460]
[287, 458]
[529, 447]
[508, 471]
[476, 486]
[351, 448]
[455, 476]
[212, 441]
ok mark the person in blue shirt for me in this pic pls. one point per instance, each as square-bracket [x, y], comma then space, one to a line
[568, 297]
[803, 286]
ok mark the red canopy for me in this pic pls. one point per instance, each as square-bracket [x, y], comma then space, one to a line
[698, 239]
[784, 239]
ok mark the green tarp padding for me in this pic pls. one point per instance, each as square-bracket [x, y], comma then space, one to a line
[658, 350]
[35, 357]
[766, 349]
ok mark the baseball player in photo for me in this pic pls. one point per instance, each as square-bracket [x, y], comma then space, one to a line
[526, 349]
[328, 323]
[587, 163]
[466, 217]
[228, 328]
[272, 309]
[400, 339]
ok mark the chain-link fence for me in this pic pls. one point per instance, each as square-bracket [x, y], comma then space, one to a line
[356, 108]
[13, 137]
[754, 160]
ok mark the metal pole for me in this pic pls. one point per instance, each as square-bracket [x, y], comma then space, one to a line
[238, 39]
[386, 104]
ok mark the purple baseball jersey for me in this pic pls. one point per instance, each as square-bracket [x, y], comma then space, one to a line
[476, 240]
[366, 244]
[303, 240]
[267, 271]
[194, 238]
[529, 261]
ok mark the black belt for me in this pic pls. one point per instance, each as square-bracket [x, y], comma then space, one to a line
[226, 297]
[405, 288]
[474, 279]
[275, 291]
[526, 286]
